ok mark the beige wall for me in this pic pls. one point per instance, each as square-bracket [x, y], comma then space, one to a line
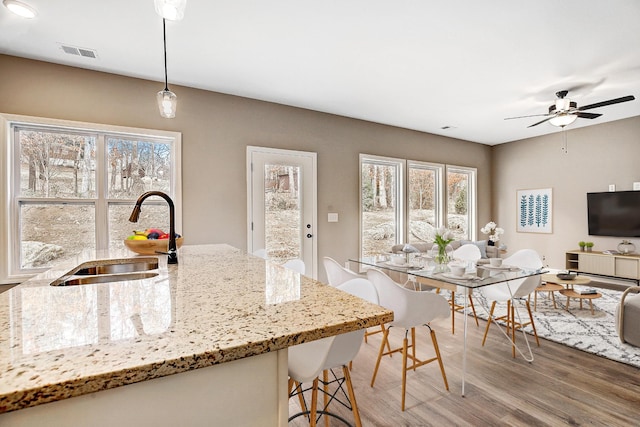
[216, 129]
[597, 156]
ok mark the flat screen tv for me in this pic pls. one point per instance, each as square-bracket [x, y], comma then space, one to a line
[614, 213]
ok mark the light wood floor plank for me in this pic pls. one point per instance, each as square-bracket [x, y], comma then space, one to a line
[562, 386]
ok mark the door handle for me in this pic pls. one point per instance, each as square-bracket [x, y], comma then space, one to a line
[309, 236]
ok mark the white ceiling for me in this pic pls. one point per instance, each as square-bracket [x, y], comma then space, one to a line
[416, 64]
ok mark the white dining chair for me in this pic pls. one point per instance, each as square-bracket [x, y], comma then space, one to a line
[295, 265]
[411, 309]
[262, 253]
[512, 292]
[336, 275]
[308, 360]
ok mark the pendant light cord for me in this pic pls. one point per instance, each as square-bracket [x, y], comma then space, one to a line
[164, 37]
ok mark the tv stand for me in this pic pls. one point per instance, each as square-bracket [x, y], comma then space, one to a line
[619, 267]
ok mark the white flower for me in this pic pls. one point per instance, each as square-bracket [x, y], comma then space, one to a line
[493, 231]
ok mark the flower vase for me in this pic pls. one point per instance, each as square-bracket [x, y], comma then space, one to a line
[442, 257]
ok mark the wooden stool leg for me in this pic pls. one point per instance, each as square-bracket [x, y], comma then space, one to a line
[352, 397]
[591, 305]
[553, 298]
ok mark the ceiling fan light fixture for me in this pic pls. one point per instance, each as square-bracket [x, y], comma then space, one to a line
[20, 8]
[173, 10]
[562, 120]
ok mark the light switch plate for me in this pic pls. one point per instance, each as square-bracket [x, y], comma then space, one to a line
[636, 186]
[612, 187]
[332, 217]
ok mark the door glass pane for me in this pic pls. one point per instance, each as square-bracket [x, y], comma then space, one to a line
[458, 204]
[137, 166]
[57, 165]
[379, 207]
[282, 212]
[151, 216]
[422, 204]
[53, 233]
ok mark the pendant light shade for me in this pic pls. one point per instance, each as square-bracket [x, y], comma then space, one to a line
[167, 103]
[167, 100]
[173, 10]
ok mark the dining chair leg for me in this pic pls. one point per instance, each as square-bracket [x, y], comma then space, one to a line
[382, 344]
[533, 325]
[453, 312]
[314, 403]
[297, 385]
[382, 327]
[325, 383]
[473, 309]
[404, 368]
[486, 330]
[352, 398]
[437, 349]
[413, 347]
[511, 321]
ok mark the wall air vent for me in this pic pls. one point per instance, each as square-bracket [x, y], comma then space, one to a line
[79, 51]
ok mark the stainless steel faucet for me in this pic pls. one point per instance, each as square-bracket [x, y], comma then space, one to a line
[172, 253]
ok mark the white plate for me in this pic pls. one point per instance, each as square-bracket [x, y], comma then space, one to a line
[391, 264]
[464, 277]
[502, 267]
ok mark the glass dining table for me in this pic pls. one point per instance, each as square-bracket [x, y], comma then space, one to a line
[439, 276]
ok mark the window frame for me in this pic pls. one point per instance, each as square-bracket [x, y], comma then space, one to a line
[400, 167]
[472, 199]
[10, 271]
[402, 190]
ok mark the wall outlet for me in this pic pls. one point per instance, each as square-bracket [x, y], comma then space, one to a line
[332, 217]
[612, 187]
[636, 186]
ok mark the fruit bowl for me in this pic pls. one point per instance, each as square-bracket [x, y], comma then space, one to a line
[151, 246]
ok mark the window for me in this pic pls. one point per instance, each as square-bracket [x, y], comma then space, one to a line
[73, 187]
[431, 201]
[425, 200]
[461, 190]
[381, 210]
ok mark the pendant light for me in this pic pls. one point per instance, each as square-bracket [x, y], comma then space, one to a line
[167, 100]
[173, 10]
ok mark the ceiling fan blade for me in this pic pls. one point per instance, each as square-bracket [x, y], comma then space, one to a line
[588, 115]
[542, 121]
[524, 117]
[609, 102]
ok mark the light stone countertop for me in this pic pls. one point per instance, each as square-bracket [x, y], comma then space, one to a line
[217, 305]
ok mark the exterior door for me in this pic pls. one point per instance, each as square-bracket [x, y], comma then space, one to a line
[281, 190]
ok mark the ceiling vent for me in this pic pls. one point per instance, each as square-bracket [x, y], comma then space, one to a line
[79, 51]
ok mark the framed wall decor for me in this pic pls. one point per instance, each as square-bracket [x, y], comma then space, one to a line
[535, 211]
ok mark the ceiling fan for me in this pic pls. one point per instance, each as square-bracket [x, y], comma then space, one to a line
[564, 111]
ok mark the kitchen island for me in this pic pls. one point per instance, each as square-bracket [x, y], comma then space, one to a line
[203, 343]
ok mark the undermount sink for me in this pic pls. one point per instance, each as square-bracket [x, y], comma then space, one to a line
[109, 271]
[128, 267]
[106, 278]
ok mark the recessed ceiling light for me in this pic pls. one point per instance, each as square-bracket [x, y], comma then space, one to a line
[20, 9]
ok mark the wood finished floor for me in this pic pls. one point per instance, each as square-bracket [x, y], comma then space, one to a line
[562, 386]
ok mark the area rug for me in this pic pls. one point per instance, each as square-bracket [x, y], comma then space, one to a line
[578, 328]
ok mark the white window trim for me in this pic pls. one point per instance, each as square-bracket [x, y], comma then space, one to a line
[402, 194]
[472, 196]
[399, 189]
[439, 170]
[8, 223]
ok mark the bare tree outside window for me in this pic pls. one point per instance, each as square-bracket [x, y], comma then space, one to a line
[57, 204]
